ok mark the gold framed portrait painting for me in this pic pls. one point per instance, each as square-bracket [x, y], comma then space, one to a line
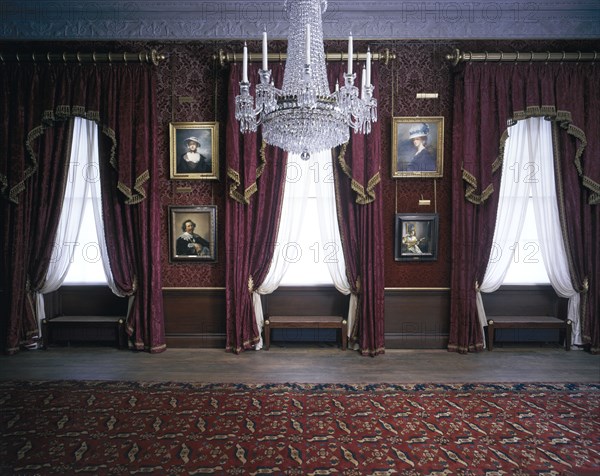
[193, 233]
[416, 237]
[417, 147]
[194, 150]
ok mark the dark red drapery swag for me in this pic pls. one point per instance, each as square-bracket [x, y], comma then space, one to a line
[487, 98]
[36, 102]
[255, 181]
[360, 218]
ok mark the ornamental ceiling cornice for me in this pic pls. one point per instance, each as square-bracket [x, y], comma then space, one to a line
[238, 19]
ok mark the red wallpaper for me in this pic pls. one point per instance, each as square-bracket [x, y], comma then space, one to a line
[187, 86]
[420, 66]
[192, 88]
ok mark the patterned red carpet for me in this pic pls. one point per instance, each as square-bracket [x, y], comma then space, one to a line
[175, 429]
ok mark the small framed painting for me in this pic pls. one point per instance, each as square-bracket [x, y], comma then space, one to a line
[194, 150]
[416, 237]
[417, 147]
[193, 233]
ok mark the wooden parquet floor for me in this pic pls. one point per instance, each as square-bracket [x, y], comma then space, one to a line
[301, 363]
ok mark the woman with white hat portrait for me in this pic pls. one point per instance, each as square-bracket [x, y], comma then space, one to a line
[423, 160]
[193, 161]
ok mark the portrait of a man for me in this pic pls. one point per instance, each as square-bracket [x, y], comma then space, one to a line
[190, 243]
[192, 231]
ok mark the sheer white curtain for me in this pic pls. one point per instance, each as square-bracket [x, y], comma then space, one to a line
[529, 149]
[83, 178]
[297, 184]
[330, 232]
[65, 243]
[552, 245]
[93, 177]
[300, 173]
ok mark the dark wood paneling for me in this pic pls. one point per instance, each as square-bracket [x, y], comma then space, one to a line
[539, 300]
[414, 318]
[195, 317]
[513, 300]
[417, 318]
[306, 301]
[84, 301]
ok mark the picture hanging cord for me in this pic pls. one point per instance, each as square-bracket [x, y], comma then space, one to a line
[435, 195]
[396, 196]
[216, 88]
[392, 106]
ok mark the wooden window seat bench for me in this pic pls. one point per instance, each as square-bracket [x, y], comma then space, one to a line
[306, 322]
[529, 322]
[84, 329]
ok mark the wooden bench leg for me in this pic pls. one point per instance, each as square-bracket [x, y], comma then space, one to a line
[344, 332]
[568, 330]
[45, 340]
[490, 335]
[267, 330]
[121, 334]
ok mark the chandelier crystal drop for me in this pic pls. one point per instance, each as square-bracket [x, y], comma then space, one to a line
[304, 116]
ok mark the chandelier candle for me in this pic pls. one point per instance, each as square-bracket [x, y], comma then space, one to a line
[368, 80]
[304, 116]
[307, 56]
[350, 54]
[245, 65]
[264, 52]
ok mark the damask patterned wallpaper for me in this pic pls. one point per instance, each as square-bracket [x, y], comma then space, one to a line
[192, 87]
[420, 66]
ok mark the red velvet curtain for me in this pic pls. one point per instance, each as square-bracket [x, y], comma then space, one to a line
[255, 181]
[36, 100]
[360, 212]
[132, 217]
[488, 96]
[30, 221]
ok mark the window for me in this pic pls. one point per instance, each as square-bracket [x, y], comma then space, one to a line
[527, 265]
[308, 255]
[86, 261]
[527, 182]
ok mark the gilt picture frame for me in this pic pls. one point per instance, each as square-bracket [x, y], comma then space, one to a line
[416, 237]
[194, 150]
[417, 147]
[193, 233]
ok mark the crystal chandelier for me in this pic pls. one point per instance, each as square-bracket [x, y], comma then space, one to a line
[304, 116]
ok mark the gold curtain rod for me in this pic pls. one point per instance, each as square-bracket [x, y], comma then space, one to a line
[151, 56]
[521, 57]
[226, 57]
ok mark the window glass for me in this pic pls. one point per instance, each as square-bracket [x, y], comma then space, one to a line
[86, 263]
[527, 265]
[307, 254]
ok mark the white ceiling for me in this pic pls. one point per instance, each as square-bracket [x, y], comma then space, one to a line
[240, 19]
